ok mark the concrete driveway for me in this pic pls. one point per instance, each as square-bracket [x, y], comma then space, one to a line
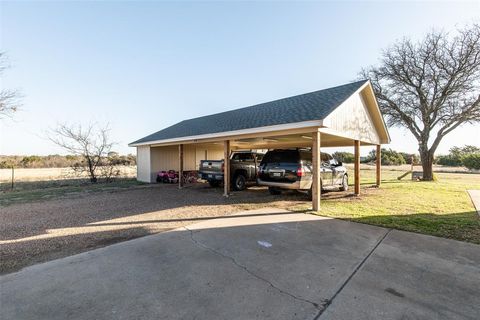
[264, 264]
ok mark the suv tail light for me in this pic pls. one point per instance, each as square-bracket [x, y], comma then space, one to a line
[223, 167]
[300, 172]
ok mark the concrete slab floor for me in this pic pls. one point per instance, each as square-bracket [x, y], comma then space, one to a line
[278, 266]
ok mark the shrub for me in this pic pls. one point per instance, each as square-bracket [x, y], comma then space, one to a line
[346, 157]
[472, 161]
[456, 155]
[408, 158]
[6, 164]
[449, 160]
[389, 157]
[29, 161]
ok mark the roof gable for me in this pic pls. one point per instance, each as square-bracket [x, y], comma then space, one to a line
[305, 107]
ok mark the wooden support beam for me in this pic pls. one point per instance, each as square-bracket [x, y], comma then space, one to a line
[357, 167]
[316, 161]
[226, 168]
[180, 166]
[378, 163]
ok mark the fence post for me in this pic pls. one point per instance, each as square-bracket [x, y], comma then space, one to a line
[13, 175]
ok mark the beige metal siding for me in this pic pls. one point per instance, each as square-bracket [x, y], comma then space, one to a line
[166, 158]
[143, 164]
[189, 157]
[352, 119]
[215, 153]
[210, 152]
[200, 154]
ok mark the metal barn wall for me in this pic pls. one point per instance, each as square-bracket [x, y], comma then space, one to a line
[143, 164]
[163, 158]
[166, 158]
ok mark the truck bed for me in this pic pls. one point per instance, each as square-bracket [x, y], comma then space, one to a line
[211, 170]
[211, 166]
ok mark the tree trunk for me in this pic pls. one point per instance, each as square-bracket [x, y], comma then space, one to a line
[426, 157]
[91, 171]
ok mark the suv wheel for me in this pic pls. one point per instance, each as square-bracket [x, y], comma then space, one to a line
[239, 182]
[274, 191]
[309, 194]
[344, 186]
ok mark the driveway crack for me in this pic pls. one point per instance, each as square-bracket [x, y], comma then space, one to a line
[317, 306]
[329, 302]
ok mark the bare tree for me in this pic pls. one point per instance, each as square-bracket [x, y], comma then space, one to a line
[91, 143]
[431, 87]
[9, 99]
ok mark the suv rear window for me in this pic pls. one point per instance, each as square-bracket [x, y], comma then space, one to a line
[281, 156]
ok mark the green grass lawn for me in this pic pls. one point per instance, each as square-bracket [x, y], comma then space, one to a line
[441, 208]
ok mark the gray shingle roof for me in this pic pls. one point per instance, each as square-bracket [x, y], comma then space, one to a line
[305, 107]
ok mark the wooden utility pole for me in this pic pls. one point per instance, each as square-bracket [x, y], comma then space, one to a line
[226, 168]
[316, 162]
[180, 166]
[357, 167]
[13, 175]
[379, 164]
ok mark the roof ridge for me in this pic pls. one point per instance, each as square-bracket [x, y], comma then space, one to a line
[315, 105]
[276, 100]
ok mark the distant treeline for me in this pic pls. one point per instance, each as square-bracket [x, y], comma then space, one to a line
[58, 161]
[466, 156]
[389, 157]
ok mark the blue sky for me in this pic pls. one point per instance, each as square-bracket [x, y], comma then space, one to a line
[142, 66]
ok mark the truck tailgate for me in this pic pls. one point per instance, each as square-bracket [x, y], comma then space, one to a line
[211, 166]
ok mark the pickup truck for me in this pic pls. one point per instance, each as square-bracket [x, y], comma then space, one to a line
[243, 169]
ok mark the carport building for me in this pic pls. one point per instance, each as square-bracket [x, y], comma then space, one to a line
[342, 116]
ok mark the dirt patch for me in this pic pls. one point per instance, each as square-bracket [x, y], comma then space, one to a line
[44, 230]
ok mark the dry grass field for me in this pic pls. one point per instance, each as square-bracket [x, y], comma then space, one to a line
[45, 174]
[48, 183]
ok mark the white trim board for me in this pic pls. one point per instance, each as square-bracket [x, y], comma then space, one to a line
[224, 134]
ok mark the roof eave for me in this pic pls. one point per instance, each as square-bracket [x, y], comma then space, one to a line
[370, 86]
[229, 134]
